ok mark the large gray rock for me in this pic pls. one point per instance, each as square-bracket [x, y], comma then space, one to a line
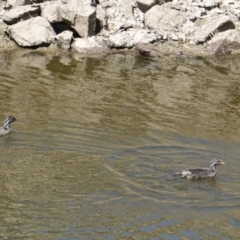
[88, 45]
[224, 42]
[34, 32]
[129, 38]
[81, 16]
[165, 19]
[205, 28]
[20, 13]
[51, 11]
[64, 40]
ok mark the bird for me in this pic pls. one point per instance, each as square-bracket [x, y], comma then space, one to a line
[5, 129]
[200, 173]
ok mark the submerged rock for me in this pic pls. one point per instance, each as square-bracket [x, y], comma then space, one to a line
[147, 50]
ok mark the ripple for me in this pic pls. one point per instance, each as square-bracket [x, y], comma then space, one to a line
[99, 139]
[148, 171]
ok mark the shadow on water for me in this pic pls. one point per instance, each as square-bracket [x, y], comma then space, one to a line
[99, 139]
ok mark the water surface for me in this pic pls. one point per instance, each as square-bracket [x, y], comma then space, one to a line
[98, 140]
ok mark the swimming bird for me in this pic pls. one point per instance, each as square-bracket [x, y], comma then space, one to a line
[200, 173]
[6, 125]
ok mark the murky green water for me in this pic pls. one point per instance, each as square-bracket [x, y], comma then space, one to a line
[99, 139]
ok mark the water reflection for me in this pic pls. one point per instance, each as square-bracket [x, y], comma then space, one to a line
[99, 139]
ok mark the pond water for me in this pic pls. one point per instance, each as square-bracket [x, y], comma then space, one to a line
[98, 140]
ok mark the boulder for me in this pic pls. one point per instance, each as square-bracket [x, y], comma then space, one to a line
[207, 27]
[15, 3]
[165, 19]
[224, 42]
[122, 14]
[88, 45]
[129, 38]
[20, 13]
[80, 16]
[145, 5]
[64, 40]
[51, 11]
[34, 32]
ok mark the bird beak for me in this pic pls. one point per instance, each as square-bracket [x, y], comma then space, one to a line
[222, 163]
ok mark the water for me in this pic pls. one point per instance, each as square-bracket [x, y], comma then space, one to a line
[98, 140]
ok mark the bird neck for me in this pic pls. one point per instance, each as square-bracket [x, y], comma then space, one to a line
[6, 126]
[213, 167]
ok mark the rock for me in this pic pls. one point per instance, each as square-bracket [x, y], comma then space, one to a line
[205, 28]
[20, 13]
[122, 14]
[51, 11]
[101, 16]
[147, 50]
[207, 3]
[145, 5]
[211, 3]
[80, 16]
[171, 49]
[64, 40]
[5, 42]
[129, 38]
[232, 8]
[15, 3]
[185, 69]
[34, 32]
[224, 42]
[163, 18]
[88, 45]
[7, 6]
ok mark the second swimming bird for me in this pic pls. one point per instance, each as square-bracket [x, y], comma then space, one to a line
[6, 125]
[200, 173]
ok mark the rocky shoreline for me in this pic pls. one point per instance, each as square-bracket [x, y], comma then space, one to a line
[154, 28]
